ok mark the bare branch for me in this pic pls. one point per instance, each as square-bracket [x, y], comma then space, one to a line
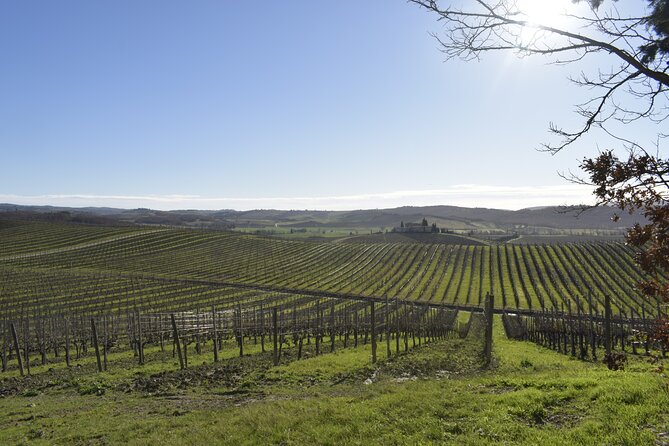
[483, 26]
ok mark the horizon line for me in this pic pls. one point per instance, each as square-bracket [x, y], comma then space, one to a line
[464, 195]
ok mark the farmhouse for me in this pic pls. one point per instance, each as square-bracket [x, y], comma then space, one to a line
[415, 228]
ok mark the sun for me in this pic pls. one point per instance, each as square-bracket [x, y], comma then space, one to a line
[540, 13]
[550, 13]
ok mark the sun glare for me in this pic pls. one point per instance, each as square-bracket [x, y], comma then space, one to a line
[551, 13]
[543, 12]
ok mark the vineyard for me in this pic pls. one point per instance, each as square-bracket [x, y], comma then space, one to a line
[58, 269]
[57, 282]
[173, 322]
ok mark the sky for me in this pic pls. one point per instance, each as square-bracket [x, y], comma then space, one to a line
[291, 105]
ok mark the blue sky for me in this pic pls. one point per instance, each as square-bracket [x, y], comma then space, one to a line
[218, 104]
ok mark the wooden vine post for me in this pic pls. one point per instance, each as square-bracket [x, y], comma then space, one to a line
[582, 349]
[26, 345]
[17, 348]
[175, 332]
[140, 342]
[160, 333]
[387, 324]
[262, 329]
[397, 330]
[488, 309]
[240, 331]
[593, 340]
[572, 338]
[332, 327]
[318, 327]
[67, 342]
[406, 320]
[607, 324]
[355, 328]
[275, 335]
[96, 344]
[105, 345]
[214, 334]
[373, 327]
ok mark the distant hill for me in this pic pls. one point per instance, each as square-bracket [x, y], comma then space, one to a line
[541, 219]
[452, 217]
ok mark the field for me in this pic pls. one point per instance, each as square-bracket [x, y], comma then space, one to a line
[396, 237]
[61, 268]
[566, 238]
[435, 394]
[324, 368]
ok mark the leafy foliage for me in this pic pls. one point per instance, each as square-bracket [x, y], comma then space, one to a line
[638, 183]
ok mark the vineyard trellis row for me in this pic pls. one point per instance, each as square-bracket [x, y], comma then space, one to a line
[64, 286]
[525, 277]
[293, 322]
[582, 331]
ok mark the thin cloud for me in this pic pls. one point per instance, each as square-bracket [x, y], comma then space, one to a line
[468, 195]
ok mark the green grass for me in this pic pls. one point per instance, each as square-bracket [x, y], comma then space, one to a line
[435, 394]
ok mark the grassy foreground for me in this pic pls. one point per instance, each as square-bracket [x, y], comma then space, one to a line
[435, 394]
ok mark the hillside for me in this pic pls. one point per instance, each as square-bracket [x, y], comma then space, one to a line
[397, 237]
[437, 393]
[450, 217]
[148, 335]
[66, 265]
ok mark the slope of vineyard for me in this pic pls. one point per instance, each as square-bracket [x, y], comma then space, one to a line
[418, 237]
[96, 268]
[20, 237]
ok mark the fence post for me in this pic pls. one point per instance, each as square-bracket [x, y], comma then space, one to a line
[632, 325]
[214, 332]
[387, 323]
[105, 344]
[240, 328]
[176, 341]
[621, 318]
[593, 339]
[659, 316]
[262, 329]
[67, 342]
[355, 328]
[26, 344]
[160, 332]
[373, 323]
[645, 329]
[4, 346]
[96, 345]
[607, 324]
[582, 351]
[198, 343]
[318, 327]
[572, 338]
[346, 327]
[17, 348]
[140, 342]
[407, 322]
[487, 349]
[332, 327]
[397, 329]
[365, 331]
[275, 329]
